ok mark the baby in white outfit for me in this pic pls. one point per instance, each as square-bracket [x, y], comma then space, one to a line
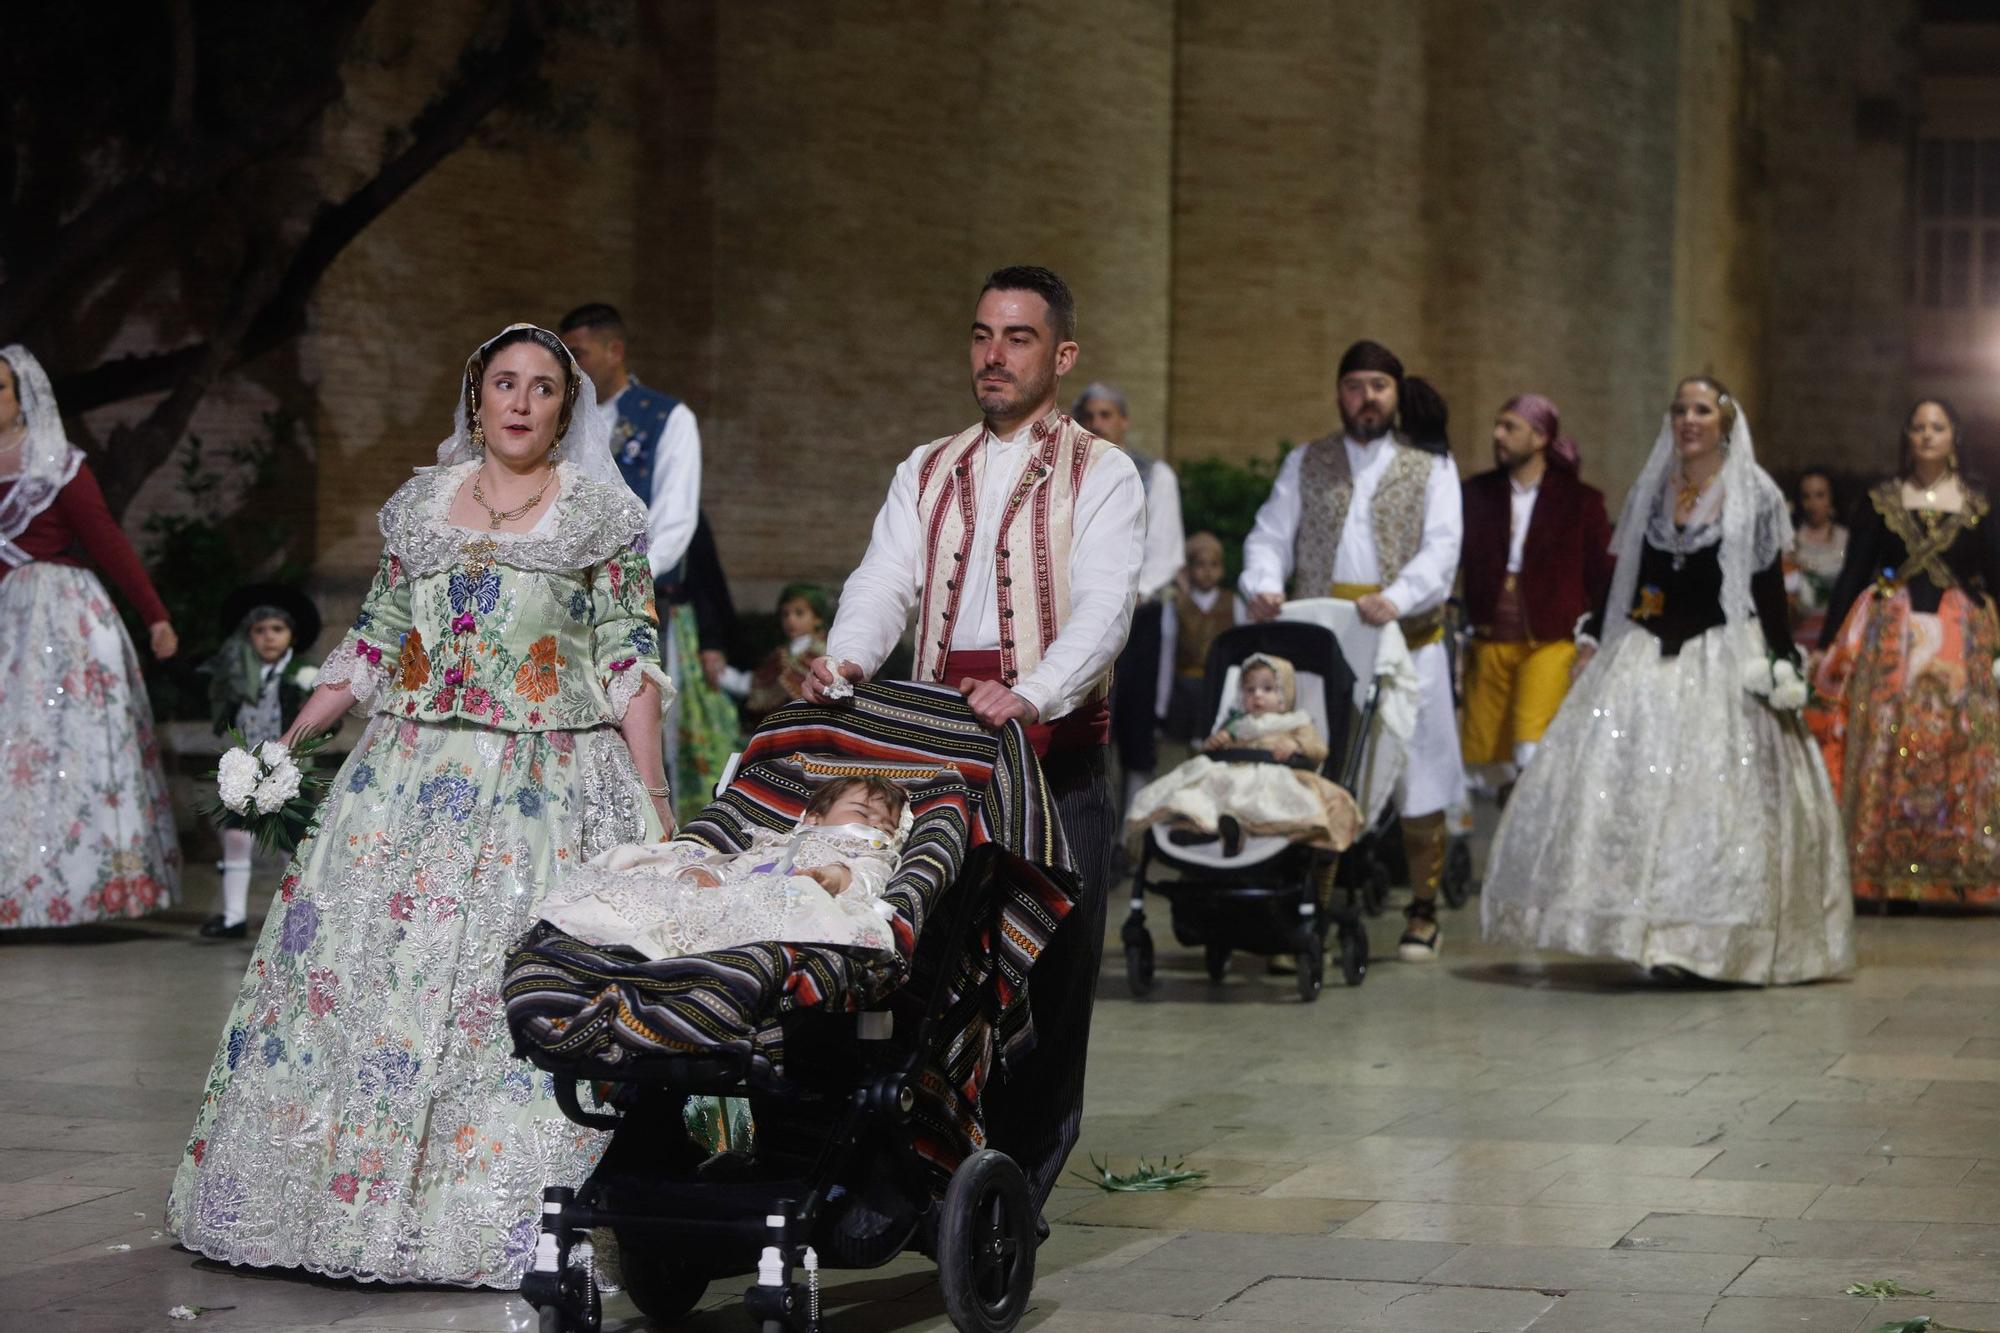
[819, 883]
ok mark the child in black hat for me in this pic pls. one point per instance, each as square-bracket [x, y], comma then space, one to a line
[257, 681]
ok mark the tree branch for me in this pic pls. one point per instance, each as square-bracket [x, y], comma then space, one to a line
[438, 130]
[185, 169]
[126, 377]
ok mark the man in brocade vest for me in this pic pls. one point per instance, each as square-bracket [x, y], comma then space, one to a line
[1017, 542]
[1537, 560]
[1369, 517]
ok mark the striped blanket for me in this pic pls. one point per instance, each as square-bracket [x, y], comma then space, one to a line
[596, 1010]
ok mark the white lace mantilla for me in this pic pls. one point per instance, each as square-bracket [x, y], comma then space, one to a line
[593, 522]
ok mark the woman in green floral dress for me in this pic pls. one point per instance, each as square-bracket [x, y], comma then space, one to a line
[364, 1116]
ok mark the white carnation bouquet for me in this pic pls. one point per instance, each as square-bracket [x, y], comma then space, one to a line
[271, 791]
[1778, 682]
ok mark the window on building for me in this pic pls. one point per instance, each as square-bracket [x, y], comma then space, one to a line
[1958, 224]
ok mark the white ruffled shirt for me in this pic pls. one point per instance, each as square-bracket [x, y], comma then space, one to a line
[1106, 548]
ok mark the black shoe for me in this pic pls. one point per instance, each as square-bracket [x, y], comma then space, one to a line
[1232, 834]
[1189, 837]
[214, 929]
[1420, 948]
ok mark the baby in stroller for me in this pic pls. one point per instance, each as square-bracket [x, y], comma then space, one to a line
[821, 882]
[1260, 775]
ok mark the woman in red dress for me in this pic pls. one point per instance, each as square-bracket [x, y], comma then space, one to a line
[90, 831]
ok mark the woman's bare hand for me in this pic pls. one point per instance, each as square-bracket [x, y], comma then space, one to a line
[319, 712]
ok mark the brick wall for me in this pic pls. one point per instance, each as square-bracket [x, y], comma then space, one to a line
[794, 204]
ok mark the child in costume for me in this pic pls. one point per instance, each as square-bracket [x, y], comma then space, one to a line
[804, 610]
[1192, 619]
[1207, 797]
[257, 681]
[819, 883]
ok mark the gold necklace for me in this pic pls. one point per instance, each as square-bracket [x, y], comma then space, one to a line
[1687, 493]
[499, 516]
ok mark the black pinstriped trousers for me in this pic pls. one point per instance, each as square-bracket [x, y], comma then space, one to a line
[1034, 1113]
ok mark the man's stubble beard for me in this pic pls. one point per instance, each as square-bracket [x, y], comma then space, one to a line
[1364, 434]
[1024, 394]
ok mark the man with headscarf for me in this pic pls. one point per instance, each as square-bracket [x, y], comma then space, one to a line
[1536, 561]
[1017, 543]
[1370, 517]
[1102, 409]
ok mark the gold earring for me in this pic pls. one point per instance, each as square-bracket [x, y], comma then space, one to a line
[478, 434]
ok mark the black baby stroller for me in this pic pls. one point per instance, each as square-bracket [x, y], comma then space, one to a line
[1263, 899]
[863, 1075]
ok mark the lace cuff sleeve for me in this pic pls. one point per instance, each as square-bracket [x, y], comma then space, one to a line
[357, 664]
[626, 676]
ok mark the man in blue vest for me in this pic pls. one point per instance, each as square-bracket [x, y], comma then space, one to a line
[653, 435]
[657, 445]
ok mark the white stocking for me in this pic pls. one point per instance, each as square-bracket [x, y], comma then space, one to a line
[237, 845]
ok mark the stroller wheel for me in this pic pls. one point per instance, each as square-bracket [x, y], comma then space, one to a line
[1354, 953]
[986, 1244]
[1312, 974]
[1139, 964]
[1217, 956]
[1374, 886]
[1457, 875]
[663, 1290]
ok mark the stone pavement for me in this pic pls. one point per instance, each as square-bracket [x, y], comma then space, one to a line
[1494, 1143]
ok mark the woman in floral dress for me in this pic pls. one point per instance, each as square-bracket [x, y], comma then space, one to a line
[1905, 704]
[364, 1116]
[90, 832]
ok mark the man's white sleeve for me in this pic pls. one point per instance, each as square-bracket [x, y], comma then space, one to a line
[676, 502]
[1166, 539]
[875, 605]
[1267, 551]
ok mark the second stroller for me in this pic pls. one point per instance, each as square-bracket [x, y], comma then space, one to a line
[1262, 888]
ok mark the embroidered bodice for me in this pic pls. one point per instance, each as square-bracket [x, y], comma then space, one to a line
[549, 630]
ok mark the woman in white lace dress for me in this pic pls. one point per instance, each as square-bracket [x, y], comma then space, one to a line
[1674, 818]
[365, 1116]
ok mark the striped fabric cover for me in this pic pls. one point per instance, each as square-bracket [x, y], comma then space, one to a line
[598, 1009]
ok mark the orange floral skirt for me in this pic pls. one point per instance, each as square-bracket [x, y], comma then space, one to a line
[1907, 715]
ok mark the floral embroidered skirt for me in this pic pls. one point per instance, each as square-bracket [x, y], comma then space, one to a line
[90, 831]
[1671, 818]
[364, 1116]
[704, 728]
[1908, 717]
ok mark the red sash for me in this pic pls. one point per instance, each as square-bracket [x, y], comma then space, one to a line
[1089, 726]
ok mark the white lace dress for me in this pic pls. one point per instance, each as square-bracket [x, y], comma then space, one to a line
[642, 897]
